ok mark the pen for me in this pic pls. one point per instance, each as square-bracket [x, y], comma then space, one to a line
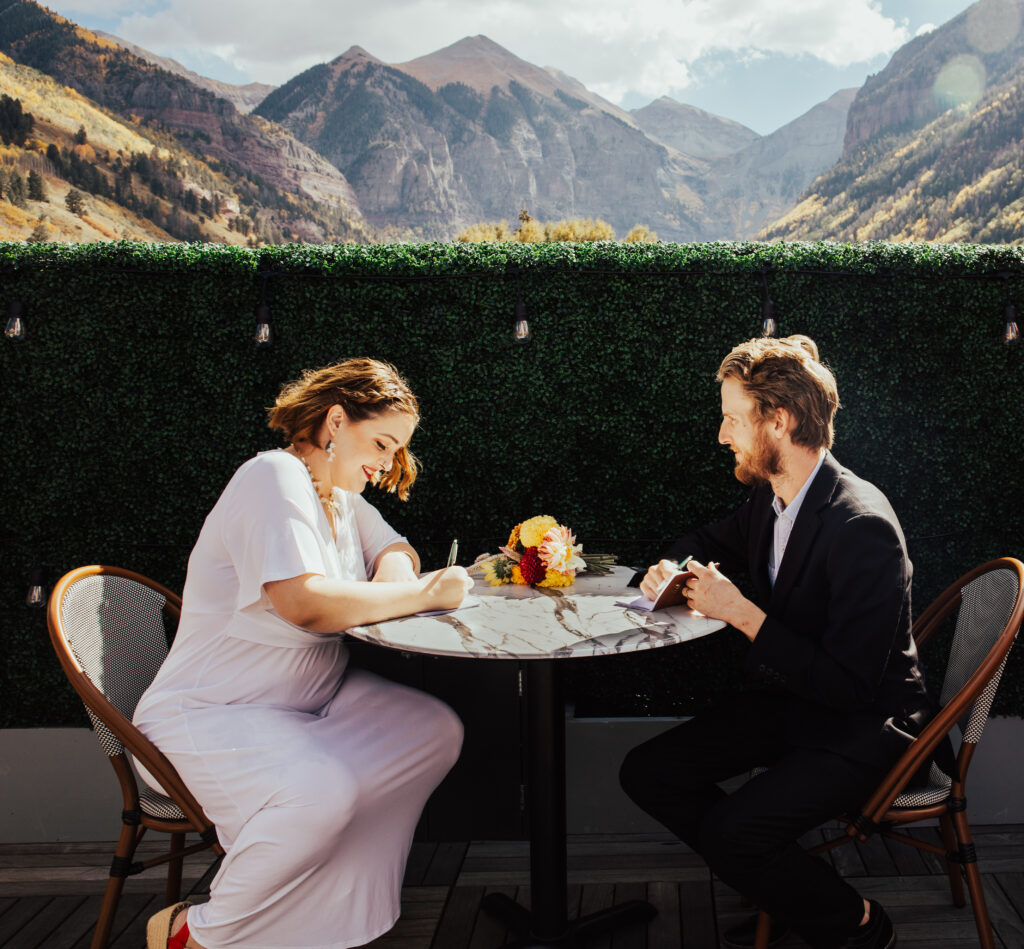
[453, 553]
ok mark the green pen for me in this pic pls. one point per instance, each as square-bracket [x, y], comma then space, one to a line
[453, 553]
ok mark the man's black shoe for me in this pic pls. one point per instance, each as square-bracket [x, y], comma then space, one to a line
[876, 933]
[741, 936]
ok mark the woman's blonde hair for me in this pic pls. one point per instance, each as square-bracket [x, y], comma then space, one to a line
[363, 388]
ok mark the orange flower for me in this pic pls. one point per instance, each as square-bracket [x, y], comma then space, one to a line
[559, 550]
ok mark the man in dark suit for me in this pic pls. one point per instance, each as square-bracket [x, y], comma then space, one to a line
[838, 690]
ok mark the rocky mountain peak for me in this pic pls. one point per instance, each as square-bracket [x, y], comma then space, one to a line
[479, 63]
[356, 54]
[692, 131]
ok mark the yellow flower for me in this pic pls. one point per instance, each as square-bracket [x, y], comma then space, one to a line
[513, 538]
[517, 575]
[532, 532]
[492, 575]
[556, 578]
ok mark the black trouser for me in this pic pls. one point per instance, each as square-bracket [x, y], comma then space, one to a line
[748, 838]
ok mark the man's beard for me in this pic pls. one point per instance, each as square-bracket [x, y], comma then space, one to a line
[762, 463]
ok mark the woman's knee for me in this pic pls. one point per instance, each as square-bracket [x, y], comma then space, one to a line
[447, 731]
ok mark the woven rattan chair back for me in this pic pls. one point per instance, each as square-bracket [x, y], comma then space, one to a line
[986, 604]
[110, 629]
[116, 629]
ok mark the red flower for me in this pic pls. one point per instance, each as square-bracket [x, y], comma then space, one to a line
[530, 566]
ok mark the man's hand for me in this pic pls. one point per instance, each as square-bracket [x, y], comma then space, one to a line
[715, 595]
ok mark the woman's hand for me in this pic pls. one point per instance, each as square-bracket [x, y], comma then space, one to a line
[445, 589]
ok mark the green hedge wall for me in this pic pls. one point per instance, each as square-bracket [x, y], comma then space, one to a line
[138, 390]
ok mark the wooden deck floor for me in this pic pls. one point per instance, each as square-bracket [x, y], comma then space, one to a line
[50, 894]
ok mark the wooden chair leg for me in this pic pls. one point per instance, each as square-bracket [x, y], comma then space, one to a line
[126, 844]
[174, 868]
[956, 883]
[764, 930]
[974, 884]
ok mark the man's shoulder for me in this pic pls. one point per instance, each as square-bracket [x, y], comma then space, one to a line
[854, 496]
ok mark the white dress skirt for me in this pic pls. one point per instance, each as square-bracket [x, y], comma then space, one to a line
[314, 776]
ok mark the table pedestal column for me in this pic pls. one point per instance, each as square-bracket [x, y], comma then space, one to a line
[547, 923]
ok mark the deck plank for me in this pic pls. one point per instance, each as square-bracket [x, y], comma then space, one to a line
[445, 883]
[665, 930]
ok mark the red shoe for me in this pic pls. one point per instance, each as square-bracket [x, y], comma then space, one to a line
[158, 929]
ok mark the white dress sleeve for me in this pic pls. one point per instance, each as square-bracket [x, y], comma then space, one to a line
[271, 527]
[375, 533]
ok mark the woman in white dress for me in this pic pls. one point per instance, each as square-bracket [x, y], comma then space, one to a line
[314, 776]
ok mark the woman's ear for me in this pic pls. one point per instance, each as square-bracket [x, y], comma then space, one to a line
[337, 418]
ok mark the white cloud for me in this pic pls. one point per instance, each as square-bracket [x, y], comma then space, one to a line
[647, 46]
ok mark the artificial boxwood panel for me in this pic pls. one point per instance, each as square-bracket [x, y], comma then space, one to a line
[138, 390]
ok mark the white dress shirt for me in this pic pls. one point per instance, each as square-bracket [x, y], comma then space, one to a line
[785, 518]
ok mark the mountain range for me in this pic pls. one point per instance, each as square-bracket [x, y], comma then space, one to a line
[359, 149]
[933, 143]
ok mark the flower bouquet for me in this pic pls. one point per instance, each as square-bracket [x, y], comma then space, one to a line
[541, 552]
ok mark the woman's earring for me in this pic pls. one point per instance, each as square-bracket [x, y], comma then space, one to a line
[330, 450]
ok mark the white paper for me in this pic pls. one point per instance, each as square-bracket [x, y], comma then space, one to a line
[466, 604]
[640, 603]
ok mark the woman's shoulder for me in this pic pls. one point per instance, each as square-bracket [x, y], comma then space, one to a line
[269, 471]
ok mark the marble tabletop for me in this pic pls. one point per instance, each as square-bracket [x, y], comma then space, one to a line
[520, 622]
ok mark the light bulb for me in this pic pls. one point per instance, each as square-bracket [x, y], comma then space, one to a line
[15, 328]
[768, 325]
[521, 332]
[264, 335]
[36, 595]
[1010, 332]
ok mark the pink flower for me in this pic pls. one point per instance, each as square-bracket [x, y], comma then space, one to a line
[559, 550]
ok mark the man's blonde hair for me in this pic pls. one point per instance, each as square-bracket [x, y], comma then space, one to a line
[787, 374]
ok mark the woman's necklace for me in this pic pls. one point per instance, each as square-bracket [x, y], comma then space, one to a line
[330, 502]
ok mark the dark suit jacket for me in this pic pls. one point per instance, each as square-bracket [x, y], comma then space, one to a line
[837, 636]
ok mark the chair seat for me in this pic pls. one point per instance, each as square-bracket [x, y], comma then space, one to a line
[156, 805]
[934, 792]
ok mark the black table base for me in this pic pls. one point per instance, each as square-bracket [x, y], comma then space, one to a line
[546, 923]
[576, 932]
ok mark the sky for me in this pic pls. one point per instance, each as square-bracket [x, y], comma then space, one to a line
[762, 63]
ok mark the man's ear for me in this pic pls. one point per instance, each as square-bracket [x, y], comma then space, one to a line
[782, 423]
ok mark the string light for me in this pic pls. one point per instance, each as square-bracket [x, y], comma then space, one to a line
[521, 332]
[15, 328]
[36, 595]
[521, 324]
[769, 327]
[264, 335]
[1010, 332]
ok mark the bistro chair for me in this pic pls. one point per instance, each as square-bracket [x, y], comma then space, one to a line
[985, 608]
[110, 630]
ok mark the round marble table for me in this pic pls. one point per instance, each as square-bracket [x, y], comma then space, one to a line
[543, 625]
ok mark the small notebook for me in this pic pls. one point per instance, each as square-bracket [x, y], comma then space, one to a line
[466, 604]
[670, 593]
